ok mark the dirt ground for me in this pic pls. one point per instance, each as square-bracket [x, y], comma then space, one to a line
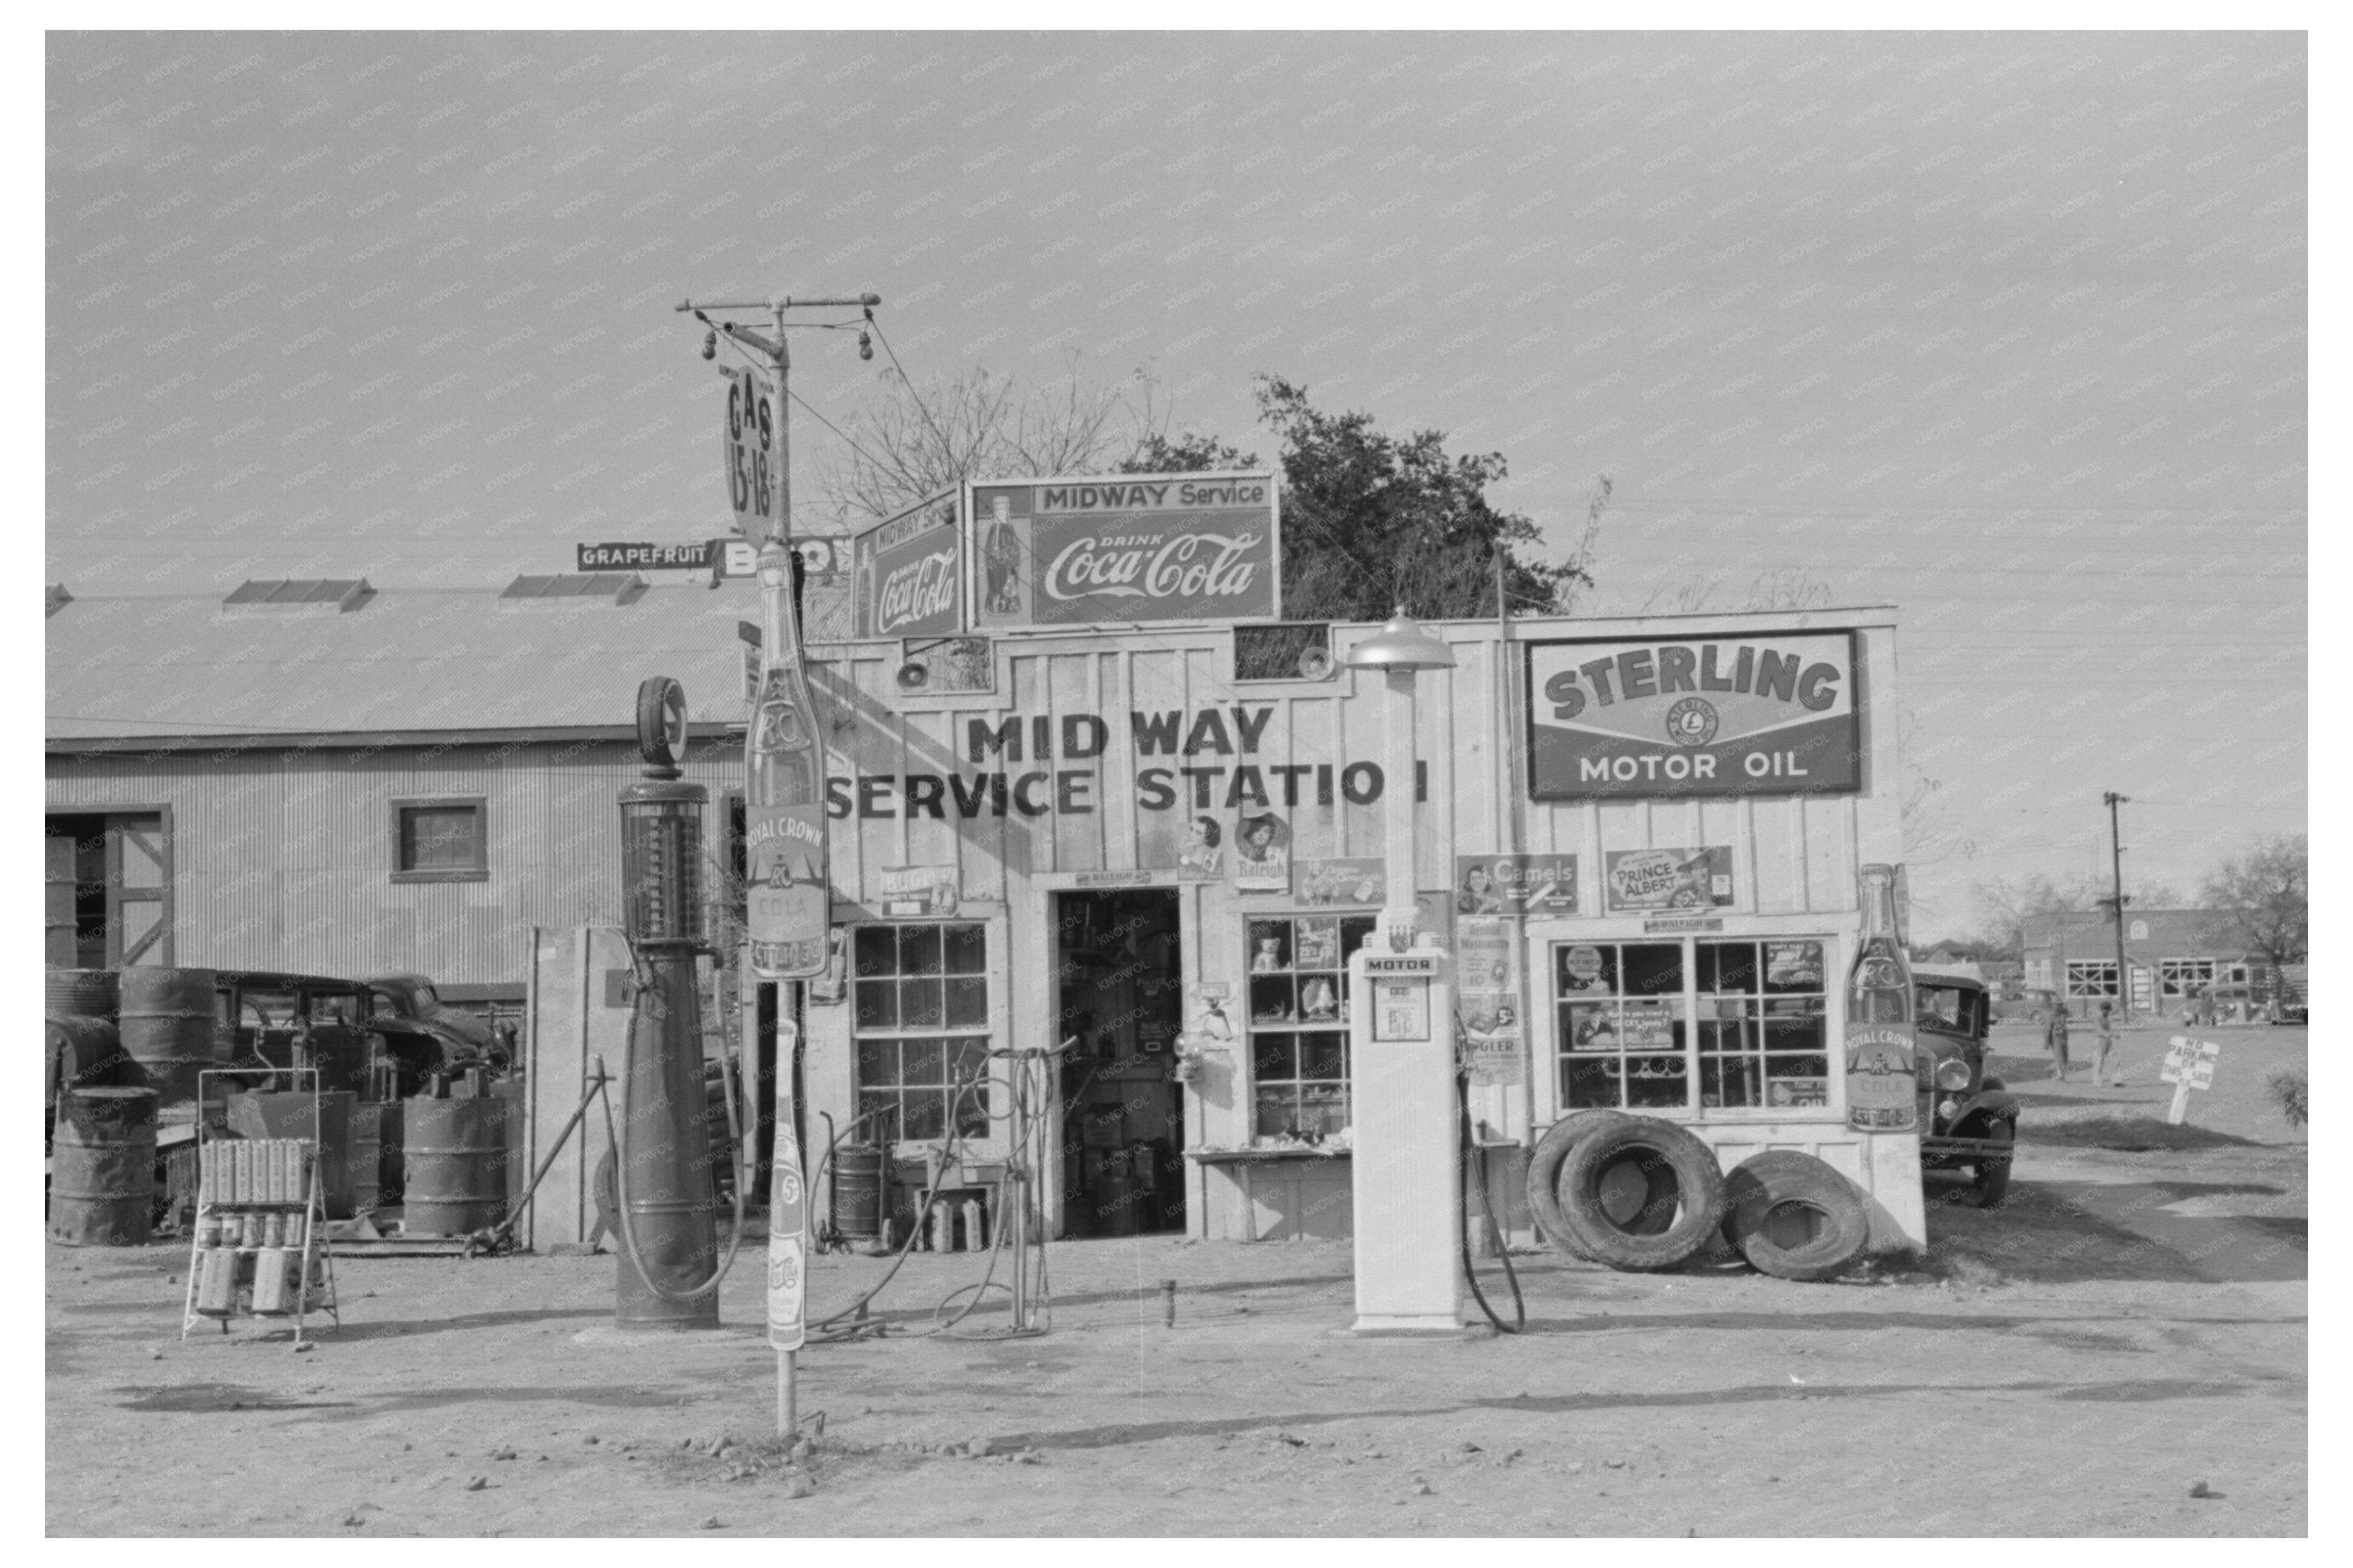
[2128, 1326]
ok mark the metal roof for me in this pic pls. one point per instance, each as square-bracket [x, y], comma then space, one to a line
[418, 661]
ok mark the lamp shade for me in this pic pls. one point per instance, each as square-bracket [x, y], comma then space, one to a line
[1400, 645]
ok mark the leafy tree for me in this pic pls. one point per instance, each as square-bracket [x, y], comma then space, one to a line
[2264, 895]
[1372, 521]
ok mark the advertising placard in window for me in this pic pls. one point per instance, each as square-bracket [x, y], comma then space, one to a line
[1756, 714]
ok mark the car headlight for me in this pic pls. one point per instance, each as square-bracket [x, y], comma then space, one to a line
[1953, 1074]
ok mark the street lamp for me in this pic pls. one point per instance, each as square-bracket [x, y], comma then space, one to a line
[1406, 1175]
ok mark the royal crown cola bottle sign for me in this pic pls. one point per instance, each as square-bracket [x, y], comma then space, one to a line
[788, 881]
[1880, 1086]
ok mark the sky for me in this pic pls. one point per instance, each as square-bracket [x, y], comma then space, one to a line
[2007, 330]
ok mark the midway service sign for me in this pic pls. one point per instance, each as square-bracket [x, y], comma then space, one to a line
[1124, 549]
[1770, 714]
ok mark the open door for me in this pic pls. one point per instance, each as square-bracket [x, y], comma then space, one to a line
[1120, 985]
[108, 894]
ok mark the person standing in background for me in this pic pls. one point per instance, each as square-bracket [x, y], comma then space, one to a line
[2055, 1037]
[2103, 1044]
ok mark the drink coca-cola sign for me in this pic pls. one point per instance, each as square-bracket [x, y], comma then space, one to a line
[908, 573]
[1125, 548]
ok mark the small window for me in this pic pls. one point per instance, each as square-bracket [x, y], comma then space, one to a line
[1283, 650]
[920, 1018]
[1298, 1024]
[440, 840]
[2091, 977]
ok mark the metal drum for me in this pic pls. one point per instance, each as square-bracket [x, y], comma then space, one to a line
[84, 994]
[456, 1166]
[858, 1190]
[391, 1161]
[102, 1171]
[167, 1032]
[80, 1052]
[288, 1115]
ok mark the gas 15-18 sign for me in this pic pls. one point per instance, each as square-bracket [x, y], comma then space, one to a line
[1758, 714]
[1125, 548]
[908, 573]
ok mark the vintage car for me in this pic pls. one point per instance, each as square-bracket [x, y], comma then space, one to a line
[413, 997]
[1967, 1122]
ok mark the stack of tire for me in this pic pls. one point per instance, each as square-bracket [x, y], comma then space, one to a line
[1638, 1193]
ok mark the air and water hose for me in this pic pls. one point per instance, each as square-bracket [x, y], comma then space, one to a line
[1477, 1159]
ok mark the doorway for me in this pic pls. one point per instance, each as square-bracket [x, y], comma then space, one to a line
[1119, 981]
[109, 896]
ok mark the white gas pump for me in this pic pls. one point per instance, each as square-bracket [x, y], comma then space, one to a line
[1408, 1171]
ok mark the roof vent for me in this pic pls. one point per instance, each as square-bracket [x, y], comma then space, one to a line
[621, 587]
[343, 593]
[58, 597]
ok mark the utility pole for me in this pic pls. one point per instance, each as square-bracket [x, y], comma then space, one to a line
[782, 723]
[2117, 903]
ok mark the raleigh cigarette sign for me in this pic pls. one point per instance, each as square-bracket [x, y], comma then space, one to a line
[1143, 547]
[909, 573]
[1760, 714]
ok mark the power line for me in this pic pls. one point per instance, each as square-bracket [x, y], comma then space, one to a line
[946, 447]
[830, 425]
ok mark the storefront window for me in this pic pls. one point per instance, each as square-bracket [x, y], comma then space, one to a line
[1622, 1026]
[2091, 977]
[920, 1018]
[1299, 1023]
[1752, 1023]
[1764, 1025]
[2184, 976]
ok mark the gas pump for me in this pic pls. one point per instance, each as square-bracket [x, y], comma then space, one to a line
[665, 1276]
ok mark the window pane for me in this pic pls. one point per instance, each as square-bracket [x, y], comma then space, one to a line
[1589, 1081]
[968, 1002]
[1793, 1034]
[1653, 969]
[440, 838]
[1586, 970]
[1323, 1056]
[1735, 1081]
[877, 1063]
[1652, 1080]
[919, 1004]
[1271, 998]
[966, 950]
[1316, 945]
[919, 949]
[880, 1107]
[1589, 1027]
[1354, 930]
[921, 1062]
[972, 1115]
[1727, 967]
[878, 1004]
[926, 1113]
[968, 1056]
[877, 950]
[1322, 1109]
[1278, 1110]
[1794, 966]
[1271, 1057]
[1270, 946]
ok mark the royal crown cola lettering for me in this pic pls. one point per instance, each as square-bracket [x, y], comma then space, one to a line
[788, 885]
[1880, 1087]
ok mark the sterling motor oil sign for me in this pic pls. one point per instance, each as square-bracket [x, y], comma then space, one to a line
[1758, 714]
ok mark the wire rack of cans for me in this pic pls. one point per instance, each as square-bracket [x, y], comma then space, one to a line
[258, 1249]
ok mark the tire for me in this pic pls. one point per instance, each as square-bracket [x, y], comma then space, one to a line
[1640, 1194]
[1764, 1196]
[1544, 1175]
[1990, 1178]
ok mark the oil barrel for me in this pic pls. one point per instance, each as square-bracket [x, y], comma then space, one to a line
[80, 1052]
[167, 1032]
[341, 1053]
[390, 1153]
[287, 1114]
[857, 1198]
[83, 993]
[455, 1167]
[103, 1169]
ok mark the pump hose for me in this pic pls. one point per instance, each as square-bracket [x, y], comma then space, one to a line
[914, 1232]
[1478, 1161]
[643, 973]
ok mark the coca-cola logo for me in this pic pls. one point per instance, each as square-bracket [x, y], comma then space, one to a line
[1181, 566]
[916, 592]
